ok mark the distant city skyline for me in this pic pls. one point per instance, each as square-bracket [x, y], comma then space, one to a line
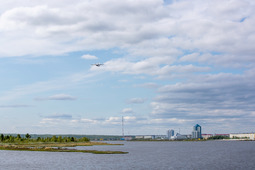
[166, 64]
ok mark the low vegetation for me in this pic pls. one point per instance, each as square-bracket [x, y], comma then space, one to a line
[218, 137]
[27, 139]
[50, 144]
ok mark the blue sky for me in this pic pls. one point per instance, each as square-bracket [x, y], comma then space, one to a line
[167, 65]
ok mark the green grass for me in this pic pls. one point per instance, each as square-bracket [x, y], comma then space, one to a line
[56, 147]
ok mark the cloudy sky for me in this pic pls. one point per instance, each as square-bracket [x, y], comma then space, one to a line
[167, 65]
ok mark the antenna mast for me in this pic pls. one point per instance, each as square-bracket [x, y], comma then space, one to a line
[122, 127]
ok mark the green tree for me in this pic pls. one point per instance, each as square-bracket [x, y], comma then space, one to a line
[11, 139]
[84, 139]
[7, 137]
[60, 139]
[28, 136]
[2, 137]
[18, 136]
[54, 139]
[39, 139]
[218, 137]
[65, 139]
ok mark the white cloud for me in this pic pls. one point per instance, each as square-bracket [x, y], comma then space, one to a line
[136, 100]
[68, 27]
[129, 118]
[209, 96]
[148, 85]
[127, 111]
[151, 30]
[59, 116]
[89, 57]
[84, 120]
[192, 49]
[61, 97]
[57, 97]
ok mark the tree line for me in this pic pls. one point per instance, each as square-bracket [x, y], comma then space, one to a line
[27, 138]
[218, 137]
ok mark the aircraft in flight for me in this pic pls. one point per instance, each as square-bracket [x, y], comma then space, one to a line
[97, 64]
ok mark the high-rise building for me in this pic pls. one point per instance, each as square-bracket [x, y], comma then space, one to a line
[170, 133]
[196, 133]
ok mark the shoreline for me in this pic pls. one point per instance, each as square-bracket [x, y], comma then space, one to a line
[56, 147]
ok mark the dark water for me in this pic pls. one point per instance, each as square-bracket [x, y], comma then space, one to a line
[142, 155]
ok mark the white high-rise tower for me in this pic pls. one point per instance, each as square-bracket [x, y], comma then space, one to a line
[170, 133]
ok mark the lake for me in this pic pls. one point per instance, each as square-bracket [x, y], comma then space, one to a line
[142, 155]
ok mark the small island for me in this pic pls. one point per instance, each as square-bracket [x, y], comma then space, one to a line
[50, 144]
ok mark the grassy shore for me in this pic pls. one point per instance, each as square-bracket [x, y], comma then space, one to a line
[55, 144]
[56, 147]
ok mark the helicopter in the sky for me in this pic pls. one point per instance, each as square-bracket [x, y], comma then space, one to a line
[97, 64]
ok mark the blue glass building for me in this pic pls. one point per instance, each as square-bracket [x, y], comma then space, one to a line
[197, 132]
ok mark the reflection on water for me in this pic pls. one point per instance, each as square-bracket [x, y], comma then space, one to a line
[142, 155]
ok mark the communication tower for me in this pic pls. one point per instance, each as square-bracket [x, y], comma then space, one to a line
[122, 126]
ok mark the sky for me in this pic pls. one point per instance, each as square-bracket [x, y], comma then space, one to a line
[167, 65]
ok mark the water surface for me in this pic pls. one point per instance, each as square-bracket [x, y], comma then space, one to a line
[142, 155]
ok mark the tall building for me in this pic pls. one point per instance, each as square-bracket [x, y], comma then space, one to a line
[197, 131]
[170, 133]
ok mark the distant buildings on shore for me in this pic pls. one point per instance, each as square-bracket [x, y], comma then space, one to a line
[206, 136]
[178, 136]
[197, 134]
[170, 133]
[160, 137]
[172, 136]
[250, 136]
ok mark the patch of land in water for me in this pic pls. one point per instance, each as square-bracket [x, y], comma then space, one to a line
[57, 147]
